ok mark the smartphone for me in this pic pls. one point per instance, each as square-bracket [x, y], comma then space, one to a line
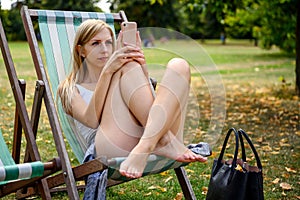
[129, 32]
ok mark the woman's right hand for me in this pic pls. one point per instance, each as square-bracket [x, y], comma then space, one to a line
[122, 55]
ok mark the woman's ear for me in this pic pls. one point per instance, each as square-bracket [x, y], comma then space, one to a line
[80, 51]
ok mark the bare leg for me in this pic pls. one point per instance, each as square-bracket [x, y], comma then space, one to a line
[167, 107]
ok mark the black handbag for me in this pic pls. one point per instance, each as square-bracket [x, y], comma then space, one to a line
[236, 179]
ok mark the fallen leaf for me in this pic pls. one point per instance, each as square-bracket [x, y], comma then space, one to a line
[165, 173]
[276, 181]
[152, 187]
[204, 190]
[148, 194]
[189, 171]
[282, 144]
[229, 155]
[290, 170]
[163, 189]
[283, 194]
[260, 139]
[285, 186]
[266, 148]
[158, 188]
[168, 179]
[275, 152]
[285, 175]
[178, 196]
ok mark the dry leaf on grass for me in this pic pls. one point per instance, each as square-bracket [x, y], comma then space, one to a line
[276, 181]
[290, 170]
[285, 186]
[168, 179]
[179, 196]
[204, 190]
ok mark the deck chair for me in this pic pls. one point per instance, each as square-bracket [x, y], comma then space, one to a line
[15, 177]
[28, 175]
[57, 29]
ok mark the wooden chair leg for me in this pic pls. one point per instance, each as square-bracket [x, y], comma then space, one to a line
[185, 184]
[18, 128]
[42, 185]
[36, 111]
[35, 116]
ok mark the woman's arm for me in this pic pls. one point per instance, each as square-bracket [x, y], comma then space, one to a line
[90, 114]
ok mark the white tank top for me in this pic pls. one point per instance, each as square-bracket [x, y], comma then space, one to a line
[88, 134]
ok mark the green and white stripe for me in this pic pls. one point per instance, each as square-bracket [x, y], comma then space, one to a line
[155, 164]
[9, 171]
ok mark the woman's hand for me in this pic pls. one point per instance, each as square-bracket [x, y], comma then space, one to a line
[123, 54]
[141, 60]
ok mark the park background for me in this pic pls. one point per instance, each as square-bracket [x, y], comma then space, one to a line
[257, 62]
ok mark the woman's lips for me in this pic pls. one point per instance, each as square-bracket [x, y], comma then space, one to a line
[103, 58]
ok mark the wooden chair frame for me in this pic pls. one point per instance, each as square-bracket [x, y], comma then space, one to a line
[22, 122]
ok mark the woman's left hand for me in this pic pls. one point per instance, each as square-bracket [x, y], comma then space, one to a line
[131, 56]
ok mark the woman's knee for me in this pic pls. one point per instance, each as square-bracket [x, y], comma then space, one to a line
[181, 66]
[129, 66]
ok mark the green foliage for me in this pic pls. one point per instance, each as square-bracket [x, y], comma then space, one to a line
[150, 13]
[78, 5]
[270, 22]
[278, 24]
[13, 25]
[240, 23]
[12, 21]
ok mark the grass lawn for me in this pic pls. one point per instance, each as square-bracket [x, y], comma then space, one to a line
[235, 84]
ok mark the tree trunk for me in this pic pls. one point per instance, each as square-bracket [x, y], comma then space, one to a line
[298, 50]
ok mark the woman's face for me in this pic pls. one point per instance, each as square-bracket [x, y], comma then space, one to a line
[98, 49]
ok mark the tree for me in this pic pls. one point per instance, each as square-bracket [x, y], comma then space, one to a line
[150, 13]
[278, 24]
[200, 20]
[280, 27]
[78, 5]
[12, 21]
[298, 51]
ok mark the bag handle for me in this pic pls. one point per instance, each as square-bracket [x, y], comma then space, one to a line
[244, 157]
[225, 144]
[242, 133]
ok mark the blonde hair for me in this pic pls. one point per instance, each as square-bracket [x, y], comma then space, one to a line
[85, 32]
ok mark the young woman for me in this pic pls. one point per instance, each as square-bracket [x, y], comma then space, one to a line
[108, 92]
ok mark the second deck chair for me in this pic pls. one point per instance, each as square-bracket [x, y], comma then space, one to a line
[15, 177]
[57, 29]
[29, 174]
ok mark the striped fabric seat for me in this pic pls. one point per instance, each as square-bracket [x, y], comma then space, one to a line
[9, 171]
[155, 164]
[57, 29]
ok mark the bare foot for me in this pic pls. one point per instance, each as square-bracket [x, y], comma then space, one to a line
[169, 146]
[190, 156]
[134, 165]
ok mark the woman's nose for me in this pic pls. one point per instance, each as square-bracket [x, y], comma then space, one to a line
[103, 47]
